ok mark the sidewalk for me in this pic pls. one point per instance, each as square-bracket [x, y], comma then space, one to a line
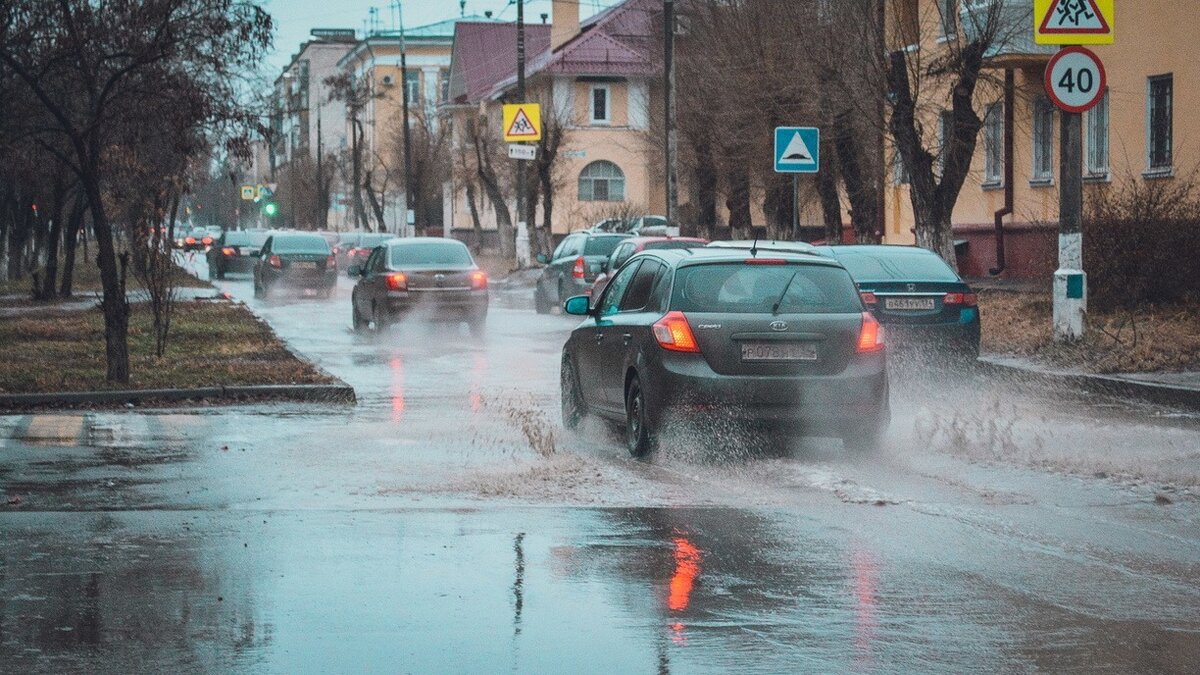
[1176, 389]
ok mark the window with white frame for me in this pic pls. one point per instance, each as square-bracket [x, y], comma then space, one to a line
[949, 15]
[899, 168]
[1159, 122]
[599, 105]
[993, 137]
[1043, 140]
[412, 85]
[601, 181]
[1097, 138]
[444, 85]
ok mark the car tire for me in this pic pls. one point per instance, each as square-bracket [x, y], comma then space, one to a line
[378, 319]
[640, 433]
[221, 274]
[540, 304]
[478, 326]
[573, 407]
[258, 292]
[212, 274]
[562, 295]
[356, 320]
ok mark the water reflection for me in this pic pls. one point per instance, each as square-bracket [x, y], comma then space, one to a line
[864, 569]
[396, 366]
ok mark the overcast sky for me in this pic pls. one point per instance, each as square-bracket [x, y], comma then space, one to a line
[295, 18]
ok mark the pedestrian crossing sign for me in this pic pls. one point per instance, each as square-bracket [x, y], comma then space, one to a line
[522, 122]
[797, 149]
[1073, 22]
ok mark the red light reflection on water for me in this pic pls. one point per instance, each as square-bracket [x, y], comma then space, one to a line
[475, 395]
[864, 569]
[687, 568]
[396, 364]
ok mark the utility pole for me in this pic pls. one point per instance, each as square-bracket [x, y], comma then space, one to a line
[322, 210]
[669, 100]
[1070, 281]
[523, 241]
[407, 141]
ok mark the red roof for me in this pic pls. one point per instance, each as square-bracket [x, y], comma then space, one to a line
[486, 53]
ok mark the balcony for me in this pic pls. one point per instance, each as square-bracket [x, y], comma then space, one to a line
[1013, 46]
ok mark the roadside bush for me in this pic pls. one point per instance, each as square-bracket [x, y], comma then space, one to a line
[1141, 241]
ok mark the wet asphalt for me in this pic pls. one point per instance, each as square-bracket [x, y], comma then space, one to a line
[447, 523]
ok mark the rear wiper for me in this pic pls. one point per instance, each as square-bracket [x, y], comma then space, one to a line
[788, 287]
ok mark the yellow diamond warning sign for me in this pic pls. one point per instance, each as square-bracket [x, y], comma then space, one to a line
[522, 122]
[1073, 22]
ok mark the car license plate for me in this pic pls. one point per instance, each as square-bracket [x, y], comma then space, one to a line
[305, 265]
[779, 351]
[908, 303]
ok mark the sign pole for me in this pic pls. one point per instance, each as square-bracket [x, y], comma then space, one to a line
[796, 206]
[523, 240]
[1070, 281]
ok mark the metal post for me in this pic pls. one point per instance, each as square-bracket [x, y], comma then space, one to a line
[407, 141]
[523, 241]
[669, 101]
[1070, 282]
[796, 206]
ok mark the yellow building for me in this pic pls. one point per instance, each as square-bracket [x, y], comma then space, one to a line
[1153, 69]
[594, 79]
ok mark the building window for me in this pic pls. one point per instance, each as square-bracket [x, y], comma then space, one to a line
[993, 129]
[599, 105]
[1043, 140]
[412, 85]
[1159, 122]
[601, 181]
[949, 11]
[899, 168]
[945, 138]
[1097, 138]
[908, 22]
[444, 85]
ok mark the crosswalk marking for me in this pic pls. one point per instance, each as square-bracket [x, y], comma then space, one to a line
[55, 428]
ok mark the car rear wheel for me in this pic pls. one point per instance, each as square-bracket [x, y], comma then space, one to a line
[640, 434]
[258, 291]
[573, 407]
[356, 319]
[220, 274]
[562, 295]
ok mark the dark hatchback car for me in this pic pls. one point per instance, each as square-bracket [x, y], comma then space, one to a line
[782, 339]
[926, 307]
[573, 267]
[435, 276]
[298, 261]
[234, 251]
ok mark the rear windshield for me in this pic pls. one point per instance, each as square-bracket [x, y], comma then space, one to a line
[303, 244]
[660, 245]
[244, 239]
[738, 288]
[601, 245]
[430, 255]
[901, 265]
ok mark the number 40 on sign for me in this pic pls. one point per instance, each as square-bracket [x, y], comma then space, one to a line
[1075, 79]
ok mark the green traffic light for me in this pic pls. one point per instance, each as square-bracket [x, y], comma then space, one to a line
[270, 209]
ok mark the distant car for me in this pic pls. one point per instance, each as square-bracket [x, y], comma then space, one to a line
[234, 251]
[781, 340]
[195, 239]
[331, 238]
[358, 247]
[429, 274]
[633, 245]
[923, 303]
[573, 267]
[298, 261]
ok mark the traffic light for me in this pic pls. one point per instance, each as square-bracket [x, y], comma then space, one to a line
[269, 209]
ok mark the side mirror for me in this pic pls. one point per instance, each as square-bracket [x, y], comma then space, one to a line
[543, 258]
[354, 270]
[579, 305]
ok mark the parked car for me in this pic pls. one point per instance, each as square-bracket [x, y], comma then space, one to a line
[781, 339]
[234, 251]
[358, 247]
[295, 260]
[573, 267]
[430, 274]
[926, 307]
[626, 249]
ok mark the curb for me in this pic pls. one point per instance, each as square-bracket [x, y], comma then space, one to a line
[312, 393]
[1152, 392]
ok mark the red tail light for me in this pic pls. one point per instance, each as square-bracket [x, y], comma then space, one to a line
[765, 261]
[580, 268]
[963, 299]
[331, 261]
[207, 241]
[336, 250]
[274, 261]
[228, 251]
[397, 282]
[870, 336]
[190, 240]
[674, 333]
[869, 299]
[478, 280]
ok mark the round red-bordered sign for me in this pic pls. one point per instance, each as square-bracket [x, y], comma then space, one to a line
[1075, 79]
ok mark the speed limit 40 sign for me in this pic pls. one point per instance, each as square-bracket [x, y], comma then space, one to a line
[1075, 79]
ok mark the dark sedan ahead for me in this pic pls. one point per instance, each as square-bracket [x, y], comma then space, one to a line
[234, 251]
[299, 261]
[781, 339]
[436, 277]
[573, 267]
[926, 307]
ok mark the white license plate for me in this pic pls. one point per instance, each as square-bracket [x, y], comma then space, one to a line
[779, 351]
[908, 303]
[304, 265]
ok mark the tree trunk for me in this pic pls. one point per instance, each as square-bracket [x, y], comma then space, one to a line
[113, 303]
[738, 202]
[706, 192]
[777, 206]
[831, 206]
[71, 243]
[475, 224]
[376, 205]
[855, 171]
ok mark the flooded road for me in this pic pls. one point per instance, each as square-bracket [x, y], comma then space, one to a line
[448, 523]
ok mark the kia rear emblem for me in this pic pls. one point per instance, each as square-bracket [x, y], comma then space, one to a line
[912, 287]
[779, 326]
